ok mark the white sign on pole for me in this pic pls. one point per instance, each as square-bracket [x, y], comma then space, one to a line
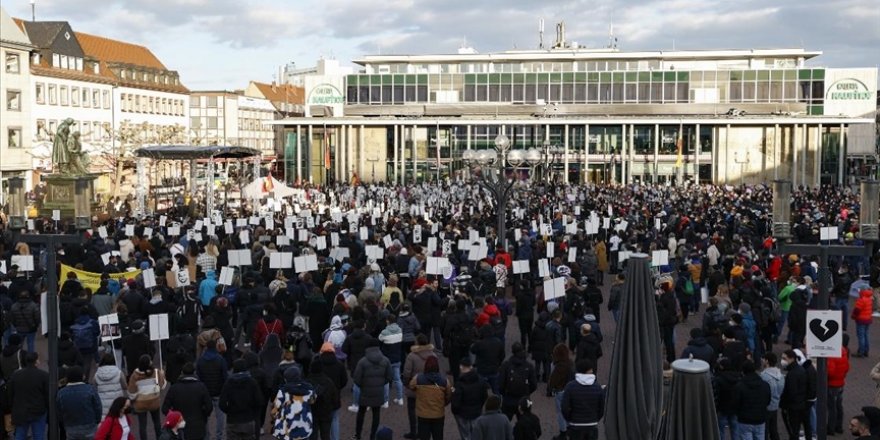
[244, 236]
[129, 230]
[364, 232]
[109, 325]
[159, 327]
[280, 260]
[240, 257]
[282, 240]
[828, 234]
[432, 244]
[551, 249]
[554, 288]
[436, 265]
[174, 231]
[225, 276]
[660, 258]
[334, 239]
[227, 227]
[149, 278]
[321, 243]
[824, 333]
[25, 263]
[543, 268]
[572, 254]
[182, 278]
[520, 266]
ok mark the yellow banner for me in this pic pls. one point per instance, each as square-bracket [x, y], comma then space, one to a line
[92, 280]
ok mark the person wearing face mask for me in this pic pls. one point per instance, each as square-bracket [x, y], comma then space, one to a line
[117, 424]
[793, 402]
[172, 429]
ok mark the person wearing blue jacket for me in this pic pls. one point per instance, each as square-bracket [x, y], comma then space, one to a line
[208, 288]
[583, 403]
[79, 406]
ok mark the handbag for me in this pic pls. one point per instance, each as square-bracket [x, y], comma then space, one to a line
[148, 394]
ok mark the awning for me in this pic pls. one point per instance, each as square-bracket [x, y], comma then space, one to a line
[190, 152]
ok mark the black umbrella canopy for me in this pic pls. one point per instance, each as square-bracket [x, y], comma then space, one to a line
[635, 388]
[691, 412]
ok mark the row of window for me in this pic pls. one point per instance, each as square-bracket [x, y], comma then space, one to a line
[89, 130]
[148, 76]
[13, 137]
[210, 101]
[151, 104]
[59, 94]
[67, 62]
[254, 124]
[13, 100]
[571, 66]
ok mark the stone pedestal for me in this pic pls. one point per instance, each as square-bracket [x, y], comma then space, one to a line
[60, 192]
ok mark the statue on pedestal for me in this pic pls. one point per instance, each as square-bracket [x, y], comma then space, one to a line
[68, 157]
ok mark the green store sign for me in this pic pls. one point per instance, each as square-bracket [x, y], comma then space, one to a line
[326, 94]
[849, 89]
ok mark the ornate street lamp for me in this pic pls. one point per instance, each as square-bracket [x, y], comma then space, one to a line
[17, 204]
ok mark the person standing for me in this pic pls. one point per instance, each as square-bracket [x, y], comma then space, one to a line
[326, 401]
[292, 407]
[109, 382]
[583, 403]
[528, 426]
[25, 318]
[413, 365]
[190, 396]
[837, 370]
[488, 355]
[724, 385]
[79, 406]
[117, 423]
[793, 402]
[335, 370]
[751, 397]
[172, 428]
[667, 316]
[146, 384]
[433, 393]
[862, 315]
[493, 424]
[468, 397]
[391, 339]
[563, 373]
[371, 375]
[241, 400]
[517, 379]
[771, 374]
[212, 371]
[29, 392]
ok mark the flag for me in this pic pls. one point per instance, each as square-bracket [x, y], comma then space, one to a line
[326, 151]
[268, 185]
[679, 158]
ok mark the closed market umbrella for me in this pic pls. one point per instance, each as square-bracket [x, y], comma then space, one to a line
[691, 411]
[635, 388]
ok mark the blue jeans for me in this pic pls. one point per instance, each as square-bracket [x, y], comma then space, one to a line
[781, 324]
[492, 380]
[395, 379]
[560, 420]
[465, 427]
[220, 417]
[355, 394]
[83, 432]
[29, 337]
[726, 421]
[842, 304]
[862, 334]
[750, 432]
[36, 427]
[334, 426]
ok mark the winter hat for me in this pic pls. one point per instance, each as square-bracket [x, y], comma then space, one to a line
[137, 326]
[327, 347]
[172, 419]
[292, 373]
[491, 310]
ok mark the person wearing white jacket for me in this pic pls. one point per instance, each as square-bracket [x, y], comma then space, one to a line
[109, 381]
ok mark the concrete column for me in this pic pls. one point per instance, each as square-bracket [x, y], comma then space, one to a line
[299, 155]
[776, 152]
[586, 172]
[726, 154]
[361, 152]
[841, 155]
[697, 151]
[632, 153]
[413, 152]
[565, 158]
[806, 147]
[309, 147]
[795, 135]
[656, 152]
[396, 157]
[623, 155]
[714, 154]
[468, 140]
[817, 164]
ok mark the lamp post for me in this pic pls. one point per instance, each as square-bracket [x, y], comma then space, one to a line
[490, 167]
[868, 232]
[82, 221]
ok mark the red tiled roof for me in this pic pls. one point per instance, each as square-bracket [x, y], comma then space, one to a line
[282, 93]
[115, 51]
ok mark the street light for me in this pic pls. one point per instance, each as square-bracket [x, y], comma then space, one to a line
[17, 205]
[490, 167]
[869, 201]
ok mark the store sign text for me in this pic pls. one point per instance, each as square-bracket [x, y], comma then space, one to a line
[326, 94]
[849, 89]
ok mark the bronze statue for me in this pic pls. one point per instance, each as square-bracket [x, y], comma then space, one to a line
[68, 157]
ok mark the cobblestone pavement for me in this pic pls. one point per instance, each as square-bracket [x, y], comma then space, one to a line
[859, 391]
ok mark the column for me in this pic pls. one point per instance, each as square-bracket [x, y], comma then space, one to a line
[192, 176]
[795, 134]
[776, 152]
[299, 147]
[141, 192]
[565, 158]
[697, 151]
[817, 164]
[396, 155]
[209, 194]
[310, 159]
[726, 154]
[361, 152]
[714, 154]
[841, 155]
[468, 142]
[586, 172]
[806, 144]
[656, 152]
[623, 155]
[632, 152]
[413, 152]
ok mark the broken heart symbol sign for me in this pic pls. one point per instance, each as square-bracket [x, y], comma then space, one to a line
[824, 329]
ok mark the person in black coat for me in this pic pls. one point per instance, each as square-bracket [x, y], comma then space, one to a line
[331, 366]
[28, 391]
[355, 345]
[541, 346]
[241, 399]
[468, 397]
[793, 402]
[327, 400]
[528, 425]
[583, 402]
[588, 346]
[751, 397]
[190, 396]
[488, 355]
[458, 335]
[724, 385]
[517, 379]
[136, 344]
[68, 354]
[427, 305]
[525, 308]
[699, 348]
[667, 317]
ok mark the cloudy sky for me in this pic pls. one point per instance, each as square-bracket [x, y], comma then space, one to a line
[222, 44]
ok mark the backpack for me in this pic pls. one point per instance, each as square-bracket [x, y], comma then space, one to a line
[771, 309]
[517, 384]
[689, 287]
[188, 315]
[463, 334]
[83, 337]
[302, 347]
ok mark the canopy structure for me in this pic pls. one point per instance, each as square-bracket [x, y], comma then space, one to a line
[265, 187]
[191, 153]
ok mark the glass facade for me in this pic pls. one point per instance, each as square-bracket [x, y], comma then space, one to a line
[599, 87]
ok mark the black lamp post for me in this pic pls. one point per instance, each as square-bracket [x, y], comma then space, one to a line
[868, 232]
[82, 221]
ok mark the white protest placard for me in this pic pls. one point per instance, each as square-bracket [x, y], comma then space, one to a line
[432, 244]
[436, 265]
[198, 225]
[148, 232]
[517, 234]
[197, 236]
[174, 231]
[282, 240]
[159, 327]
[306, 263]
[546, 229]
[102, 231]
[149, 278]
[387, 241]
[240, 222]
[577, 211]
[339, 254]
[245, 236]
[543, 267]
[657, 224]
[25, 263]
[622, 226]
[109, 326]
[554, 288]
[610, 211]
[572, 254]
[56, 215]
[225, 276]
[321, 242]
[280, 260]
[824, 333]
[3, 266]
[417, 234]
[270, 224]
[478, 252]
[551, 249]
[254, 221]
[606, 223]
[828, 234]
[464, 245]
[302, 235]
[182, 278]
[364, 233]
[129, 230]
[105, 257]
[227, 227]
[660, 258]
[239, 257]
[334, 239]
[31, 227]
[447, 247]
[521, 266]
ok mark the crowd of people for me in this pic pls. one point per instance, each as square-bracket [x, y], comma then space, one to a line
[410, 305]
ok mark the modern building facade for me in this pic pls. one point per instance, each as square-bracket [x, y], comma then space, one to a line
[601, 115]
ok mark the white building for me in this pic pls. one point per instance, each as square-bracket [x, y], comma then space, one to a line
[15, 130]
[229, 118]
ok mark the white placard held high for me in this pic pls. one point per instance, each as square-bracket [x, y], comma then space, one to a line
[149, 278]
[660, 258]
[182, 278]
[572, 254]
[159, 327]
[109, 326]
[543, 267]
[828, 234]
[225, 276]
[520, 266]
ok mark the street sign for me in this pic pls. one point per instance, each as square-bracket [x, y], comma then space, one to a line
[824, 333]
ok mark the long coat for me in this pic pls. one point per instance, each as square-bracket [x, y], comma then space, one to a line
[190, 396]
[602, 256]
[372, 373]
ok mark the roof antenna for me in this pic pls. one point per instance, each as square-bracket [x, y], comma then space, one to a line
[540, 33]
[612, 40]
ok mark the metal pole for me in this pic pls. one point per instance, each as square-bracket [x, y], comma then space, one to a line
[52, 316]
[822, 367]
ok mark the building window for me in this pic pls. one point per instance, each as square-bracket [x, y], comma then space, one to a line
[56, 60]
[122, 74]
[40, 92]
[64, 62]
[41, 129]
[13, 134]
[85, 96]
[212, 101]
[105, 95]
[195, 101]
[195, 122]
[13, 63]
[13, 100]
[64, 95]
[79, 64]
[74, 97]
[96, 98]
[212, 122]
[53, 125]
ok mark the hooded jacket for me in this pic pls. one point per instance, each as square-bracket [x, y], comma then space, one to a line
[110, 384]
[837, 369]
[516, 362]
[355, 347]
[583, 401]
[371, 374]
[700, 349]
[776, 380]
[540, 340]
[241, 398]
[336, 336]
[488, 352]
[752, 396]
[208, 288]
[212, 371]
[391, 339]
[24, 315]
[433, 393]
[190, 396]
[409, 326]
[794, 393]
[333, 369]
[469, 395]
[415, 364]
[863, 307]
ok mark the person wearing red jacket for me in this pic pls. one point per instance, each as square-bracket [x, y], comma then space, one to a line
[269, 323]
[861, 314]
[117, 423]
[503, 257]
[774, 268]
[837, 369]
